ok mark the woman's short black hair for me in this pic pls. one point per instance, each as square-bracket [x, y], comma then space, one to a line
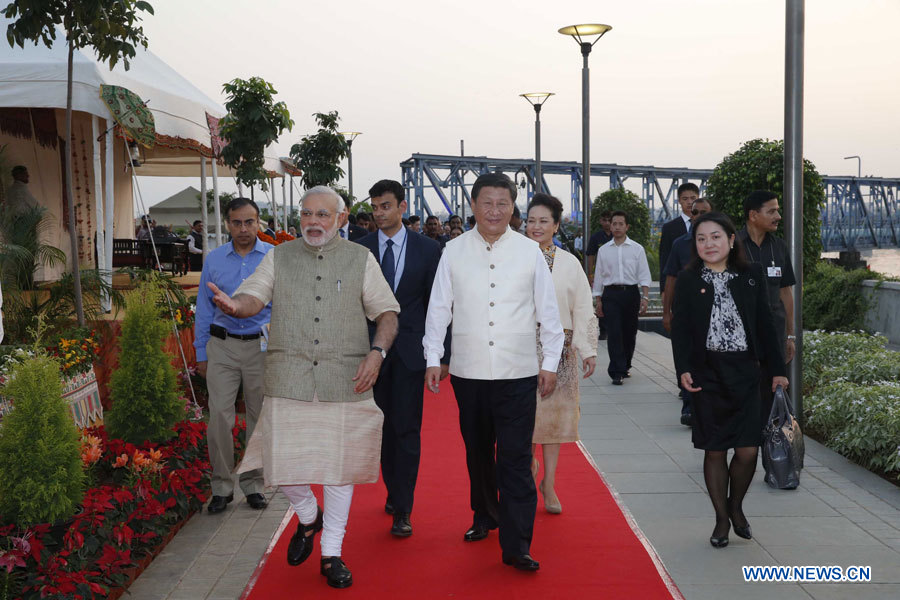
[552, 203]
[737, 261]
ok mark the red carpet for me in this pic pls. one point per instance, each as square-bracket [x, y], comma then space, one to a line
[589, 551]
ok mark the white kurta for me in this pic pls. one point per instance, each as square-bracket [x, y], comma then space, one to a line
[330, 443]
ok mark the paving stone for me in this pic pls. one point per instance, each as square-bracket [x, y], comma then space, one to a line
[810, 532]
[635, 463]
[659, 483]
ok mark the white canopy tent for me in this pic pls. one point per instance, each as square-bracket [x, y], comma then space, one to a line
[35, 78]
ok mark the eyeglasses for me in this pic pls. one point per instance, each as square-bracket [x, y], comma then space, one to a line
[242, 224]
[321, 214]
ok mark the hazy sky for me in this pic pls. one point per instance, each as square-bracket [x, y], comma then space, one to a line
[676, 83]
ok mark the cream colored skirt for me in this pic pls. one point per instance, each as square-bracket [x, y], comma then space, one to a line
[329, 443]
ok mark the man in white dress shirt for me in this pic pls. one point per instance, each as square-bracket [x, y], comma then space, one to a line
[621, 269]
[495, 286]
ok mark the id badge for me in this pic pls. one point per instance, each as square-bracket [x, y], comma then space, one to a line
[774, 271]
[264, 338]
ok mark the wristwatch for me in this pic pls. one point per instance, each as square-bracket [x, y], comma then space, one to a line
[380, 351]
[792, 337]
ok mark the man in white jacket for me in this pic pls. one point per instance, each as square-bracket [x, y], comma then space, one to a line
[495, 287]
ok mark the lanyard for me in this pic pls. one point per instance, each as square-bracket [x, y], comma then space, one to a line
[759, 260]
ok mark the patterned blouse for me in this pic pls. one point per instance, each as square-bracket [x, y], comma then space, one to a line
[726, 329]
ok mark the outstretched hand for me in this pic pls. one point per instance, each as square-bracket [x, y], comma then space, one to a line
[225, 303]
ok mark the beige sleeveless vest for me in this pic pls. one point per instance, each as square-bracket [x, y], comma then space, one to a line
[318, 333]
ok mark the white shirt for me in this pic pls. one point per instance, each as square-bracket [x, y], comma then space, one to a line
[623, 264]
[495, 295]
[192, 248]
[399, 249]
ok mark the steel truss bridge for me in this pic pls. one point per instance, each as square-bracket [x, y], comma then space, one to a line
[859, 212]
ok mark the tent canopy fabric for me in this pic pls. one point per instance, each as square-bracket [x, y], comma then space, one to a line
[35, 76]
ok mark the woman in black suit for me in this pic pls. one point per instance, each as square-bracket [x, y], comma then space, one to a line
[722, 329]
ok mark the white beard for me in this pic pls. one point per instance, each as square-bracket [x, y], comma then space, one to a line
[322, 239]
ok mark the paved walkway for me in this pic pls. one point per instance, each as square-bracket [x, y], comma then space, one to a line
[841, 514]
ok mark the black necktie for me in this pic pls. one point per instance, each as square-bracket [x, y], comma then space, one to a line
[388, 265]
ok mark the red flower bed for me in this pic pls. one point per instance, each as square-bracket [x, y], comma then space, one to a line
[147, 493]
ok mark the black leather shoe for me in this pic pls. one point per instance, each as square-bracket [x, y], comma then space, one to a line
[337, 574]
[301, 545]
[687, 419]
[388, 507]
[218, 503]
[257, 501]
[523, 562]
[617, 380]
[744, 532]
[402, 527]
[475, 533]
[628, 374]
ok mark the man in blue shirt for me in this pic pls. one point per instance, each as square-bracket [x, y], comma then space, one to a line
[231, 351]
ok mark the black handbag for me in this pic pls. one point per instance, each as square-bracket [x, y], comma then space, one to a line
[782, 446]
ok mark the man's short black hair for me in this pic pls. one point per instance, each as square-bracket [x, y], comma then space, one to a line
[497, 180]
[756, 199]
[272, 222]
[414, 219]
[457, 217]
[194, 224]
[471, 221]
[703, 200]
[606, 215]
[620, 213]
[549, 202]
[688, 187]
[430, 217]
[363, 216]
[19, 169]
[236, 203]
[387, 186]
[405, 221]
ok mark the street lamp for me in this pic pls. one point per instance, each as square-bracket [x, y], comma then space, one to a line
[536, 99]
[858, 165]
[585, 35]
[350, 136]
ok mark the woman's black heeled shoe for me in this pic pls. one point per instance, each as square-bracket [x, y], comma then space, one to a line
[719, 541]
[744, 532]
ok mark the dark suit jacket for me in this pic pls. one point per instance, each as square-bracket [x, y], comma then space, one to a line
[671, 231]
[693, 307]
[422, 255]
[355, 232]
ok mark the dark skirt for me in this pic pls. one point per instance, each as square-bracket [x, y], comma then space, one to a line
[727, 409]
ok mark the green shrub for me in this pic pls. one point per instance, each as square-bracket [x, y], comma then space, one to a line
[861, 422]
[867, 368]
[823, 351]
[143, 389]
[41, 478]
[759, 165]
[833, 298]
[629, 202]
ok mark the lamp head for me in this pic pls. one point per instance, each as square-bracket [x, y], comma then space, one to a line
[586, 34]
[350, 136]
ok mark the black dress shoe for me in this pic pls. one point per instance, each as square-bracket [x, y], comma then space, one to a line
[388, 507]
[475, 533]
[301, 545]
[257, 501]
[687, 419]
[617, 380]
[337, 574]
[218, 503]
[523, 562]
[402, 527]
[628, 374]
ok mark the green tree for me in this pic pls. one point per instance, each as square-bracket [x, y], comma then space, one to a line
[110, 27]
[319, 156]
[143, 389]
[759, 165]
[628, 202]
[41, 478]
[254, 121]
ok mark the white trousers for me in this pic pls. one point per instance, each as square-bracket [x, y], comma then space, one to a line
[336, 512]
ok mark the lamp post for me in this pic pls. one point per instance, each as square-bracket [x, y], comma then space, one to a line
[583, 35]
[536, 99]
[350, 136]
[858, 165]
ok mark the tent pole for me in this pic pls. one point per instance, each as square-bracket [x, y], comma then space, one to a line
[100, 245]
[216, 209]
[292, 196]
[284, 221]
[108, 214]
[204, 219]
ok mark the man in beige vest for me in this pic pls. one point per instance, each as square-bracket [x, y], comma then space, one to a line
[319, 421]
[495, 286]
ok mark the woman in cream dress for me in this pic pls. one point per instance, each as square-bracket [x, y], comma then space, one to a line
[557, 415]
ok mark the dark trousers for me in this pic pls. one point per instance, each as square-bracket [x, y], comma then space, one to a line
[621, 308]
[398, 393]
[501, 412]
